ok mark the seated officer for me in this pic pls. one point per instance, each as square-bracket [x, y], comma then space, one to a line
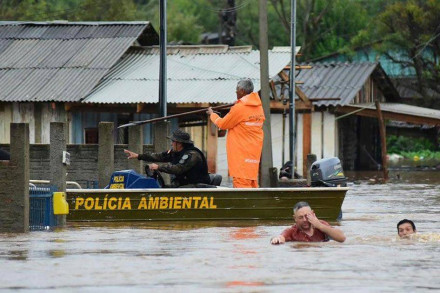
[185, 162]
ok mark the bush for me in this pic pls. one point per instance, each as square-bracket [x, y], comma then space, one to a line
[423, 155]
[403, 144]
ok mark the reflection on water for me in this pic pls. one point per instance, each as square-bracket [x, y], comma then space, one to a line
[236, 256]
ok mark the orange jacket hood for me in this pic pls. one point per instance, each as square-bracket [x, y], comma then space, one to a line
[253, 99]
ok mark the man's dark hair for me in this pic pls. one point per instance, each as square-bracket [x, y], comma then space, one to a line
[300, 205]
[406, 221]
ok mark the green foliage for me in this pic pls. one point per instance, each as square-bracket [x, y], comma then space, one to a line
[323, 26]
[408, 33]
[401, 144]
[422, 155]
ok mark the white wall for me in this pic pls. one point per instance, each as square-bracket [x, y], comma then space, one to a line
[222, 159]
[316, 140]
[329, 135]
[50, 114]
[5, 121]
[24, 113]
[324, 142]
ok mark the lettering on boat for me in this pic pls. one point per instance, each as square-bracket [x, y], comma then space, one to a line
[107, 203]
[119, 182]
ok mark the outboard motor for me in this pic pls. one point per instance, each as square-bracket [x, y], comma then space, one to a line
[327, 172]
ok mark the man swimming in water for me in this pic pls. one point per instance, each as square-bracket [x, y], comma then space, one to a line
[308, 228]
[405, 228]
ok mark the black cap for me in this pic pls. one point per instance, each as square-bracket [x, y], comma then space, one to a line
[180, 136]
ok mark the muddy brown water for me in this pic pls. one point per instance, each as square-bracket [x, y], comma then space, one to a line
[237, 256]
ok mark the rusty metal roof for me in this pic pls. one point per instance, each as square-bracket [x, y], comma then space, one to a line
[342, 81]
[62, 61]
[334, 80]
[196, 74]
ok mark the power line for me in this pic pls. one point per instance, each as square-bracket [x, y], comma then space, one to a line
[243, 4]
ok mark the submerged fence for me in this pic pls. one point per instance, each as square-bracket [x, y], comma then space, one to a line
[41, 216]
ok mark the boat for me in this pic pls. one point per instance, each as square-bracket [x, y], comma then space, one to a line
[178, 204]
[127, 199]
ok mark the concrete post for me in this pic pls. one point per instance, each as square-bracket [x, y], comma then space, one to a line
[161, 142]
[266, 161]
[311, 158]
[58, 170]
[14, 179]
[57, 145]
[273, 173]
[106, 153]
[135, 144]
[161, 131]
[211, 153]
[37, 117]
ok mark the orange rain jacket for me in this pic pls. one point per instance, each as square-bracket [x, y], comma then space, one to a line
[245, 136]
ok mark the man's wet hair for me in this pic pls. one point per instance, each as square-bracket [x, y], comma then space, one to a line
[406, 221]
[300, 205]
[246, 85]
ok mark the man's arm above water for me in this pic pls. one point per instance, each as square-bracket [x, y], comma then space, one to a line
[278, 240]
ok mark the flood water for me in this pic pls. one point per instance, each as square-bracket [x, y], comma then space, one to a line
[237, 256]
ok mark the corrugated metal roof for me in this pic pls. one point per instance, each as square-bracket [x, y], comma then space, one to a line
[15, 51]
[61, 61]
[32, 32]
[334, 80]
[10, 31]
[196, 74]
[64, 32]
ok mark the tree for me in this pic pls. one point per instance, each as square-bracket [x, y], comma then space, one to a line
[323, 27]
[408, 33]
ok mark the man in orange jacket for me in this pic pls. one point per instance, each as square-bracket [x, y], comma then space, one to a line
[245, 136]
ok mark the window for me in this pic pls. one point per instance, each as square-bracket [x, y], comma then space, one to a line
[91, 135]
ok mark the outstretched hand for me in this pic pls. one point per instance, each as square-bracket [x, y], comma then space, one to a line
[278, 240]
[209, 111]
[131, 155]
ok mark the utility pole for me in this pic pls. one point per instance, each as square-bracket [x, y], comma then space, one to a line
[228, 20]
[163, 59]
[292, 126]
[266, 157]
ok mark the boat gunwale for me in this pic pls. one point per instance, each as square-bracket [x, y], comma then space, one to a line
[199, 190]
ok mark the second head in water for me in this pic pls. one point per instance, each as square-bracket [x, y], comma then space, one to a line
[405, 228]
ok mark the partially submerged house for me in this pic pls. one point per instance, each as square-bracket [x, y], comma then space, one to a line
[344, 122]
[45, 66]
[84, 73]
[397, 66]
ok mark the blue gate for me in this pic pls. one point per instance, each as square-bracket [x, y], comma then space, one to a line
[41, 216]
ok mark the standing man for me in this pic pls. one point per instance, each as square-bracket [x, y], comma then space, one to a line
[308, 228]
[245, 136]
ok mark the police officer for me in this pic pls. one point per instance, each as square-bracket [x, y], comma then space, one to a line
[185, 162]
